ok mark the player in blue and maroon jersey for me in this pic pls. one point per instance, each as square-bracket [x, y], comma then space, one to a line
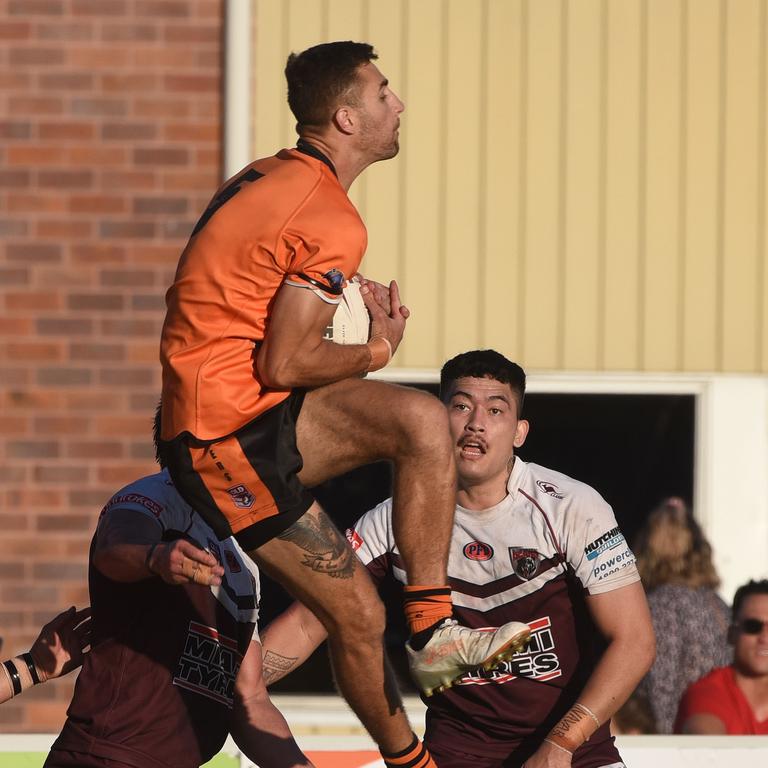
[529, 544]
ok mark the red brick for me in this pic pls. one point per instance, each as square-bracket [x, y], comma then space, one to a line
[183, 33]
[110, 302]
[90, 401]
[147, 302]
[178, 228]
[208, 157]
[37, 203]
[14, 178]
[175, 109]
[12, 474]
[129, 82]
[144, 450]
[94, 497]
[160, 205]
[28, 498]
[156, 255]
[193, 132]
[128, 131]
[60, 570]
[66, 130]
[191, 181]
[58, 474]
[64, 377]
[126, 229]
[96, 156]
[15, 30]
[16, 326]
[121, 475]
[59, 425]
[129, 32]
[68, 31]
[68, 230]
[27, 594]
[13, 129]
[128, 278]
[35, 155]
[14, 276]
[94, 449]
[193, 83]
[126, 377]
[18, 426]
[34, 252]
[96, 204]
[15, 81]
[34, 350]
[97, 352]
[13, 570]
[45, 57]
[10, 228]
[63, 522]
[32, 449]
[72, 179]
[64, 326]
[38, 400]
[166, 8]
[16, 521]
[66, 81]
[99, 253]
[99, 106]
[15, 377]
[155, 156]
[32, 300]
[35, 7]
[99, 8]
[130, 327]
[35, 105]
[128, 181]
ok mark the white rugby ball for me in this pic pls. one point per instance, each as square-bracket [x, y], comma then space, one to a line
[351, 323]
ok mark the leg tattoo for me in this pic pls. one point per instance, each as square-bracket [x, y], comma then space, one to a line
[326, 550]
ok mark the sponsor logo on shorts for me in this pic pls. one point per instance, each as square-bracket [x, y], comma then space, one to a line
[133, 498]
[335, 278]
[609, 540]
[209, 664]
[213, 548]
[232, 562]
[354, 538]
[613, 565]
[242, 497]
[550, 489]
[525, 562]
[478, 550]
[539, 660]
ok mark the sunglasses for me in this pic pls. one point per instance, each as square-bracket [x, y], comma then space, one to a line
[751, 626]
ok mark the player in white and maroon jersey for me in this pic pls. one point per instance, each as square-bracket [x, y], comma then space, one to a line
[175, 659]
[529, 544]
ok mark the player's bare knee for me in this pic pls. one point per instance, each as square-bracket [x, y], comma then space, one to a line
[360, 622]
[423, 422]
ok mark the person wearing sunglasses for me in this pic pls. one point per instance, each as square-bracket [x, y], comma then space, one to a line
[734, 699]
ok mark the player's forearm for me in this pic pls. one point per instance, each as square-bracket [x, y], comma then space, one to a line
[17, 675]
[289, 640]
[314, 366]
[124, 562]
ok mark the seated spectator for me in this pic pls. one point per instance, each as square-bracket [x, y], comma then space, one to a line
[734, 699]
[690, 620]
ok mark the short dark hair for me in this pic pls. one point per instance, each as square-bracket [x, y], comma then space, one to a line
[745, 591]
[157, 426]
[484, 364]
[321, 77]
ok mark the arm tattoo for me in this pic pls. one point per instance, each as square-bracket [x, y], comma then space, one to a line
[275, 666]
[325, 549]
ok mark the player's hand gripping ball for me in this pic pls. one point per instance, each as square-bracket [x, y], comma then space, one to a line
[351, 323]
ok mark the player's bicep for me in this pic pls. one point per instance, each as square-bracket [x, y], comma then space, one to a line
[622, 613]
[126, 526]
[296, 325]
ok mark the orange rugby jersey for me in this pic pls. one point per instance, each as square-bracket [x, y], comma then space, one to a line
[283, 218]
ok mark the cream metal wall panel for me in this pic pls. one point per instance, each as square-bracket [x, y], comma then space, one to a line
[542, 247]
[699, 218]
[625, 122]
[740, 215]
[581, 283]
[503, 194]
[581, 184]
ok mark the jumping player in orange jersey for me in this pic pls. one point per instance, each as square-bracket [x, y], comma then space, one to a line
[257, 406]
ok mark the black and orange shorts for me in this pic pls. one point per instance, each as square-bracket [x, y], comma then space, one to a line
[245, 485]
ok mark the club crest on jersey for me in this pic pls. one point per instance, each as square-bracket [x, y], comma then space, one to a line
[335, 278]
[550, 489]
[242, 497]
[478, 550]
[525, 562]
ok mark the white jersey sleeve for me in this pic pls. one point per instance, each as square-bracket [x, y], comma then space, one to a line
[372, 539]
[595, 547]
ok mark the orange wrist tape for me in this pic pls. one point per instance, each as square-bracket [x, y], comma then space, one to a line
[576, 726]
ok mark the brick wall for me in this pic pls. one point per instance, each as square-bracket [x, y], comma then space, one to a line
[110, 146]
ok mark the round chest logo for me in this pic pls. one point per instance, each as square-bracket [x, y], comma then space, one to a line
[477, 550]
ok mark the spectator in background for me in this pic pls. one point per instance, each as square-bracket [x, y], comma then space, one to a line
[734, 699]
[690, 620]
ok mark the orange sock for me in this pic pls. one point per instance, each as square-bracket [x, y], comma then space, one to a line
[426, 606]
[414, 756]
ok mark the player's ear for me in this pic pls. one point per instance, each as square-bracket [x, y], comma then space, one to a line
[521, 432]
[344, 120]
